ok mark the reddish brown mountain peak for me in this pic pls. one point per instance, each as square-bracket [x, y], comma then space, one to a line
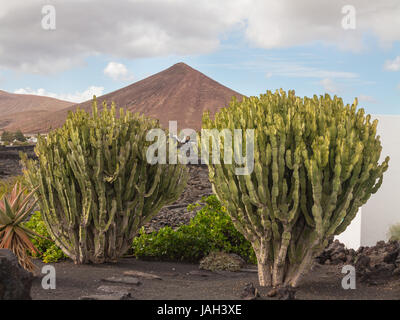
[179, 93]
[181, 65]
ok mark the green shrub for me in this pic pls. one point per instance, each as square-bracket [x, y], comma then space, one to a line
[9, 137]
[394, 232]
[49, 252]
[210, 230]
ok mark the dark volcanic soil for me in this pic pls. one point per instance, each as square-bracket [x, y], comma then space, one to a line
[9, 168]
[177, 214]
[10, 160]
[323, 283]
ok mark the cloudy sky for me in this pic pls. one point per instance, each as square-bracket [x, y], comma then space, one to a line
[350, 48]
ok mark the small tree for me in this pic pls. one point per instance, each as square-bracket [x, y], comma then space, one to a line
[7, 137]
[19, 136]
[316, 163]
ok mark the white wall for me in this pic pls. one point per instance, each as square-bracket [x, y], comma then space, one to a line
[351, 237]
[383, 208]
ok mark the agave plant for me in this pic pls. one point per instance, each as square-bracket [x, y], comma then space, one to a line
[14, 209]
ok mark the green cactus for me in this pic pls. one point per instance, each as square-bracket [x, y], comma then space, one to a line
[95, 186]
[316, 164]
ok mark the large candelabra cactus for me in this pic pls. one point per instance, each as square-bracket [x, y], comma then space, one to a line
[316, 163]
[95, 186]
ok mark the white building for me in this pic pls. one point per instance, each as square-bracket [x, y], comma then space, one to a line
[382, 210]
[32, 140]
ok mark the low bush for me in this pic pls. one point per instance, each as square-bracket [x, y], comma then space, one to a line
[394, 232]
[219, 260]
[49, 252]
[210, 230]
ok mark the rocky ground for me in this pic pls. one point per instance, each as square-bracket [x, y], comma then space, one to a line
[374, 265]
[10, 160]
[177, 214]
[144, 280]
[9, 168]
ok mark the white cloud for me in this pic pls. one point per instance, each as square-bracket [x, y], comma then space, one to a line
[120, 28]
[329, 86]
[137, 28]
[393, 65]
[286, 23]
[117, 71]
[293, 68]
[366, 98]
[298, 71]
[73, 97]
[269, 75]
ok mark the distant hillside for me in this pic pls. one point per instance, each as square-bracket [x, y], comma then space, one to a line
[178, 93]
[18, 111]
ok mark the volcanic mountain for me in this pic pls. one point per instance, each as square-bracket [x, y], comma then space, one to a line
[178, 93]
[18, 110]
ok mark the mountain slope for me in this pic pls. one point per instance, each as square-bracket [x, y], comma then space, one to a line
[178, 93]
[17, 110]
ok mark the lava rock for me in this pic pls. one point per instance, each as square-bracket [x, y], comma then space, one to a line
[250, 292]
[396, 272]
[363, 262]
[124, 280]
[116, 290]
[391, 257]
[200, 273]
[286, 293]
[15, 282]
[176, 214]
[106, 297]
[378, 263]
[335, 254]
[144, 275]
[272, 293]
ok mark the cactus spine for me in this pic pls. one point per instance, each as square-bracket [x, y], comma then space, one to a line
[316, 164]
[95, 187]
